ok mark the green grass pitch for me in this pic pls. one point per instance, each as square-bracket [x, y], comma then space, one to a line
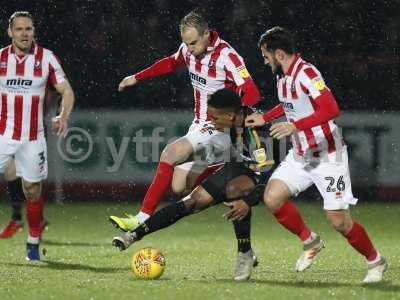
[200, 252]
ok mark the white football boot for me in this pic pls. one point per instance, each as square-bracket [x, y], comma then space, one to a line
[124, 241]
[376, 271]
[245, 262]
[309, 254]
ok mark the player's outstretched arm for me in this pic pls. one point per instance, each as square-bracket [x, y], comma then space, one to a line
[60, 123]
[163, 66]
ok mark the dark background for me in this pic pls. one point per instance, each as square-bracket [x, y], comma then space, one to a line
[353, 43]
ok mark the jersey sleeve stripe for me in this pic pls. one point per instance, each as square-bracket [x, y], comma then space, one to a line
[235, 59]
[310, 73]
[52, 75]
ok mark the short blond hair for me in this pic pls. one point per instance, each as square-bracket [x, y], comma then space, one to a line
[194, 20]
[18, 14]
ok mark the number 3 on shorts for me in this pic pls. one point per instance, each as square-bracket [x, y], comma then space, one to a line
[340, 185]
[42, 158]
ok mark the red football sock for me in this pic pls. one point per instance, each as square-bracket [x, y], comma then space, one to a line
[207, 172]
[34, 216]
[289, 217]
[359, 239]
[160, 185]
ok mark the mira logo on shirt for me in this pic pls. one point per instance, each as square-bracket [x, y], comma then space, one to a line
[19, 82]
[198, 78]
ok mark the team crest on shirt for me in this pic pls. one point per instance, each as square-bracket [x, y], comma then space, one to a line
[319, 83]
[3, 65]
[212, 63]
[37, 63]
[243, 72]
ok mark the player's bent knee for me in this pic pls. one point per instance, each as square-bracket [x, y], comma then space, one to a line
[339, 222]
[178, 189]
[179, 184]
[10, 172]
[177, 152]
[275, 195]
[271, 200]
[32, 190]
[239, 187]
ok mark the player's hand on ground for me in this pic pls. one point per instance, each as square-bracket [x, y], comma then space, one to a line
[127, 82]
[60, 125]
[237, 210]
[254, 120]
[282, 129]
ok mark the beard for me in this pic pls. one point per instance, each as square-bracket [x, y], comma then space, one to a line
[277, 68]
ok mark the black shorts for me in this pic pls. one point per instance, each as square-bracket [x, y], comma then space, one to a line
[216, 183]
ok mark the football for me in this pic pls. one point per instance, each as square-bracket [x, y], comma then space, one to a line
[148, 263]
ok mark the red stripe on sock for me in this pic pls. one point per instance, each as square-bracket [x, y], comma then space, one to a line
[160, 185]
[289, 217]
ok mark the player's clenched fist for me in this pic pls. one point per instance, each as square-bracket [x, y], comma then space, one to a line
[127, 82]
[282, 129]
[254, 120]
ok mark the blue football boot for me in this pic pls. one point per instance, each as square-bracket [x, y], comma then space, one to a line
[32, 252]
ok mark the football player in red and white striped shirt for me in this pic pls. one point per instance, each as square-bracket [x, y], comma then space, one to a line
[213, 65]
[25, 71]
[318, 157]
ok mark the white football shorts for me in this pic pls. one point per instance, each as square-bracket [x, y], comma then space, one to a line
[30, 157]
[209, 144]
[329, 173]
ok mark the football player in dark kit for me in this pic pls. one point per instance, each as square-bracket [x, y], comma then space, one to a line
[236, 180]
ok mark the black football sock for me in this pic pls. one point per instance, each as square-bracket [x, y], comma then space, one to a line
[162, 218]
[17, 197]
[242, 232]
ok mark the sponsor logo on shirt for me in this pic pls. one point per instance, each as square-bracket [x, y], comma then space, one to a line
[19, 83]
[197, 78]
